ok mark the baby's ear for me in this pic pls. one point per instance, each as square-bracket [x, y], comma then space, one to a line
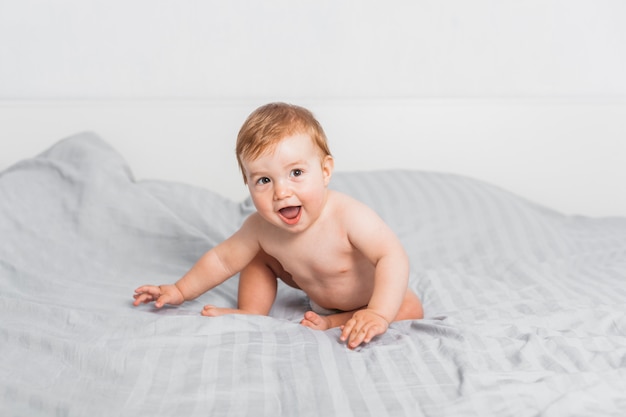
[328, 164]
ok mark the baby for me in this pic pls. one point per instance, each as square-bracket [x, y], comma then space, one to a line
[337, 250]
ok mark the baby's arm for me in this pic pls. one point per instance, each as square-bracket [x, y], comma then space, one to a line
[213, 268]
[369, 234]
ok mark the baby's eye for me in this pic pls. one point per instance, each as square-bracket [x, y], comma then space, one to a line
[296, 172]
[263, 180]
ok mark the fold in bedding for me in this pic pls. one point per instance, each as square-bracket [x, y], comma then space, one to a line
[525, 307]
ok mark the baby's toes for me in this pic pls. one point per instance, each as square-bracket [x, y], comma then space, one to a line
[209, 311]
[314, 321]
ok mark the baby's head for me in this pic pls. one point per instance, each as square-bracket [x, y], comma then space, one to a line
[271, 123]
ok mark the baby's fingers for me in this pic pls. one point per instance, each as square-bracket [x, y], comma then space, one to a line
[142, 299]
[354, 332]
[148, 289]
[346, 329]
[365, 334]
[359, 335]
[146, 294]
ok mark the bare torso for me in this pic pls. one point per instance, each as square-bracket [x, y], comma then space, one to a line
[322, 261]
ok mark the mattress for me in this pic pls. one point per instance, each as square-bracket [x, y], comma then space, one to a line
[525, 308]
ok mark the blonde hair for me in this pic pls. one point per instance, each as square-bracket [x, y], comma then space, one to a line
[269, 124]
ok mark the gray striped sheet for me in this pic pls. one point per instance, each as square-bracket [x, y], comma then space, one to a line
[525, 307]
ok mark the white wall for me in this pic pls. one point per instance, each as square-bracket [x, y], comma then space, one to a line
[474, 61]
[500, 141]
[314, 48]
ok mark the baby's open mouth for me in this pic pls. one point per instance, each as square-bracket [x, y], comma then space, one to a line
[291, 214]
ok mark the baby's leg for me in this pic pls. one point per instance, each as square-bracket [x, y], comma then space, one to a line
[317, 321]
[257, 290]
[410, 309]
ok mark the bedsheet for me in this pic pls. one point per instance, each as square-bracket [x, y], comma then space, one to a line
[525, 307]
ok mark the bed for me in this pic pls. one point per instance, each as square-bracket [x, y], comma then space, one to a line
[525, 307]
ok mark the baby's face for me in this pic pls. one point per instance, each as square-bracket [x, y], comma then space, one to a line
[288, 185]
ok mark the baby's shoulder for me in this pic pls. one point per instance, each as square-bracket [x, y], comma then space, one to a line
[254, 224]
[344, 204]
[342, 198]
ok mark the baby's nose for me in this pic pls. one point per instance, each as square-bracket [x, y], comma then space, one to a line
[281, 190]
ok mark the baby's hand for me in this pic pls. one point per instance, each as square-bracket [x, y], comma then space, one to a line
[362, 327]
[161, 295]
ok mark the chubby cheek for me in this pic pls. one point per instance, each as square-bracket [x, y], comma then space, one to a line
[264, 206]
[257, 201]
[312, 203]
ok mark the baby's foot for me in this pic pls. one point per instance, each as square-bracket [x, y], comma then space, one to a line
[213, 311]
[315, 321]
